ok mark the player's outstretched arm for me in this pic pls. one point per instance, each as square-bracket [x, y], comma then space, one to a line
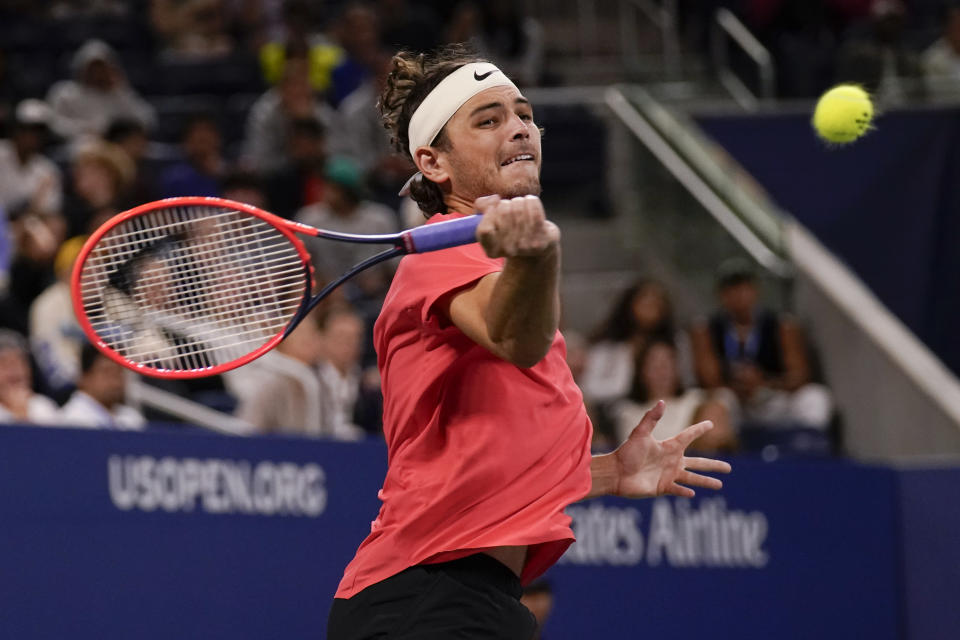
[643, 467]
[514, 313]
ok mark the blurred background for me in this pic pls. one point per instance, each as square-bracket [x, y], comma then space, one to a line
[716, 254]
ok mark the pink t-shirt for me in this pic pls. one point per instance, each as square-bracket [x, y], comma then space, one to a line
[481, 453]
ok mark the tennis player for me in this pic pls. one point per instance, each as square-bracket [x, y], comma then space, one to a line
[488, 439]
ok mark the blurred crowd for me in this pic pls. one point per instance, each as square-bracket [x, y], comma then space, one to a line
[900, 50]
[745, 367]
[105, 105]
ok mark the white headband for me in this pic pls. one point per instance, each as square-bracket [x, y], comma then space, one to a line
[448, 96]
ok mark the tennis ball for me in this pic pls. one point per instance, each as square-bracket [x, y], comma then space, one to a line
[843, 114]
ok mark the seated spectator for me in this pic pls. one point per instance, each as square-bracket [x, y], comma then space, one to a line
[879, 59]
[98, 400]
[656, 378]
[357, 31]
[131, 137]
[360, 136]
[340, 369]
[500, 30]
[300, 180]
[246, 187]
[760, 355]
[642, 312]
[941, 61]
[27, 177]
[408, 25]
[34, 241]
[98, 95]
[102, 176]
[192, 29]
[271, 117]
[199, 171]
[538, 598]
[18, 402]
[344, 209]
[299, 38]
[285, 392]
[55, 335]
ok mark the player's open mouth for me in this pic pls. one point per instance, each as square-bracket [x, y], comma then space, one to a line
[522, 156]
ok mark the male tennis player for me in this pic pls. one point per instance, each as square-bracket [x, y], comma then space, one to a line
[488, 440]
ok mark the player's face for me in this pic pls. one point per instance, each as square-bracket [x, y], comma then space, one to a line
[495, 146]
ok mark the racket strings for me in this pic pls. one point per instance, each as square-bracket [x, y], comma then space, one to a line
[188, 288]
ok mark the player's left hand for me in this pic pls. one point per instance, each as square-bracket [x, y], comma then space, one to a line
[647, 467]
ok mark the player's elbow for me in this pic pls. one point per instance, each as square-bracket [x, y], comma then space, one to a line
[526, 353]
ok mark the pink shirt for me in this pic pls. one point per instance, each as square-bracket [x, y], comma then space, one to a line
[481, 453]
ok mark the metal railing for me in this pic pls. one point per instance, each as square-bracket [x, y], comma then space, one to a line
[695, 183]
[140, 394]
[663, 16]
[726, 26]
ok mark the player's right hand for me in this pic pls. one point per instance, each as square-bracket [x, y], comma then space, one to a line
[515, 227]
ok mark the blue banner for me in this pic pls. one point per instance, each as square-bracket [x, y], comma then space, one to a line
[163, 535]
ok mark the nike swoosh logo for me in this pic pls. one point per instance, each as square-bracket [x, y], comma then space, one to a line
[483, 76]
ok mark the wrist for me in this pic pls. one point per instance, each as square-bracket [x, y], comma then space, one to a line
[604, 475]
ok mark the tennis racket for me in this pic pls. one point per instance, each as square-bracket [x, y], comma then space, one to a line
[191, 287]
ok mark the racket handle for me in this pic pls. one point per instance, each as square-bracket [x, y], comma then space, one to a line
[443, 235]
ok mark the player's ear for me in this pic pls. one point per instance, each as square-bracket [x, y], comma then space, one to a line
[431, 164]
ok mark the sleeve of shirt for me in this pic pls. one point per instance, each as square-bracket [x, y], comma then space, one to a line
[437, 274]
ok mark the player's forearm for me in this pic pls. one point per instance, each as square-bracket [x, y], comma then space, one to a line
[524, 310]
[604, 475]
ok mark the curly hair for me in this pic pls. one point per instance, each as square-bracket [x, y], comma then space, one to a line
[412, 77]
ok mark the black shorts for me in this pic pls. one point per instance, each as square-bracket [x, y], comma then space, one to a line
[472, 597]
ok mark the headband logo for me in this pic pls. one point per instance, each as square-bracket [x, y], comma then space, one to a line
[479, 77]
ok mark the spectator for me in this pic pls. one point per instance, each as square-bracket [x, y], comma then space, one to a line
[98, 95]
[27, 177]
[298, 38]
[878, 58]
[290, 390]
[18, 402]
[344, 209]
[408, 25]
[271, 117]
[538, 598]
[246, 187]
[760, 355]
[192, 29]
[360, 135]
[657, 378]
[275, 398]
[55, 336]
[102, 175]
[642, 312]
[35, 239]
[499, 30]
[98, 400]
[131, 137]
[199, 171]
[804, 47]
[300, 180]
[941, 62]
[340, 369]
[358, 33]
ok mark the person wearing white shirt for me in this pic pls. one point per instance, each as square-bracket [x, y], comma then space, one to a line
[97, 95]
[98, 400]
[18, 403]
[27, 177]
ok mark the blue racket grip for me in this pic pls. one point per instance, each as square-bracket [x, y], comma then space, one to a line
[443, 235]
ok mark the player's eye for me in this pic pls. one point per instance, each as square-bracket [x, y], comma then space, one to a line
[488, 122]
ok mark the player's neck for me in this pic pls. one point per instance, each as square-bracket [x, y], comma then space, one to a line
[458, 204]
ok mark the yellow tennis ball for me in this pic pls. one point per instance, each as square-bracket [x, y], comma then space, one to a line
[843, 114]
